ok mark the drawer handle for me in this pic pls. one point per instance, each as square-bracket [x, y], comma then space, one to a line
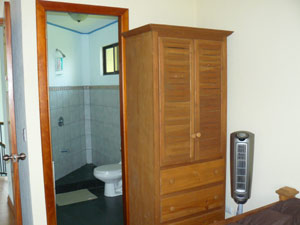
[216, 197]
[216, 171]
[171, 181]
[172, 208]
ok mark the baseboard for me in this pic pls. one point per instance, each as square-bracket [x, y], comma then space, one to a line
[11, 206]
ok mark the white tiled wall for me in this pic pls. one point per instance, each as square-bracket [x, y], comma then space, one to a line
[91, 131]
[105, 125]
[68, 141]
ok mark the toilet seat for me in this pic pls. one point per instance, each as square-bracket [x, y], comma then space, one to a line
[111, 169]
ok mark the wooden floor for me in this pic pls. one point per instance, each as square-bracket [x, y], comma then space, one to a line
[6, 217]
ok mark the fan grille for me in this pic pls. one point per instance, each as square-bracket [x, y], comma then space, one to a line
[241, 167]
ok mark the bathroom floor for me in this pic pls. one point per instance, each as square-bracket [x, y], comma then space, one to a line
[101, 211]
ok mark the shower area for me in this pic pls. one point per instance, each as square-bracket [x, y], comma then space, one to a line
[84, 114]
[85, 127]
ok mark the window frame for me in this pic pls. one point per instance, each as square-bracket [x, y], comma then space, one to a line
[104, 48]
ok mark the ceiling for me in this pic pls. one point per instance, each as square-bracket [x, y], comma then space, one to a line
[91, 23]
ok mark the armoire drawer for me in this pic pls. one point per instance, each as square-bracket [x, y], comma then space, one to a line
[190, 176]
[203, 219]
[185, 204]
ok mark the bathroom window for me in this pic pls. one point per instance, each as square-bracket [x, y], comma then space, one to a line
[111, 59]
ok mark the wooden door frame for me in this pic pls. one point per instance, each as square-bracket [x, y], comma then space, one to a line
[16, 203]
[41, 8]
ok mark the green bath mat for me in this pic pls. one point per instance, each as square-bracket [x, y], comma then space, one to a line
[72, 197]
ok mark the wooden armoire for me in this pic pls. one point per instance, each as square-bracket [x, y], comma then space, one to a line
[176, 124]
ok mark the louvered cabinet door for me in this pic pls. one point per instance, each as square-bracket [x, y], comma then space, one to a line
[208, 59]
[176, 90]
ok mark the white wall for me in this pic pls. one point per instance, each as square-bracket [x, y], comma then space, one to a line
[70, 44]
[263, 86]
[85, 60]
[83, 63]
[140, 12]
[97, 40]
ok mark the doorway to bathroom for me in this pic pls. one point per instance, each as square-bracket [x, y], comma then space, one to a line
[84, 74]
[83, 82]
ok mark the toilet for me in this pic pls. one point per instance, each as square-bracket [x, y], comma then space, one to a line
[111, 175]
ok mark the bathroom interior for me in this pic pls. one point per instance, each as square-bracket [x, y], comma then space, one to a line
[84, 103]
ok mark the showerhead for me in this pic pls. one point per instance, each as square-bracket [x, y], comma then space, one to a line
[62, 54]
